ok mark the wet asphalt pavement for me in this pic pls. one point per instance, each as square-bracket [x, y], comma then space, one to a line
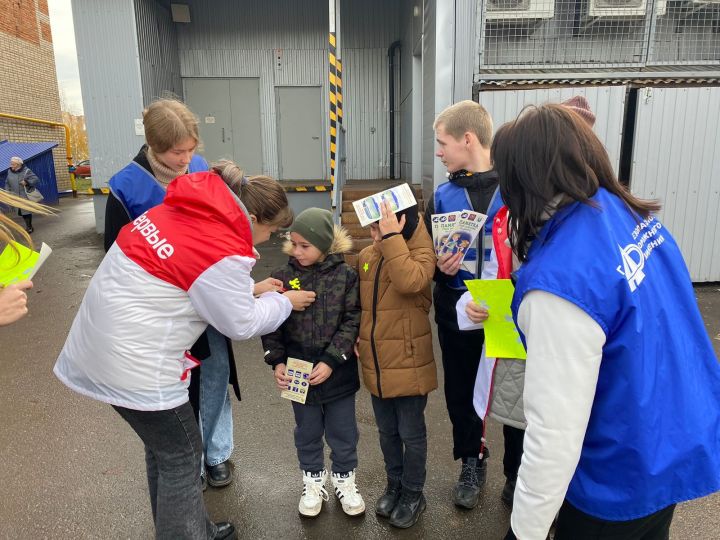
[71, 468]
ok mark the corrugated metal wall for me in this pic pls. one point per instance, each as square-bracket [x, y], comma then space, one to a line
[368, 29]
[428, 112]
[608, 103]
[465, 49]
[284, 43]
[157, 51]
[111, 87]
[242, 39]
[411, 36]
[676, 158]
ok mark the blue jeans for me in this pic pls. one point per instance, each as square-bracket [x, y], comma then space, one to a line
[215, 409]
[172, 449]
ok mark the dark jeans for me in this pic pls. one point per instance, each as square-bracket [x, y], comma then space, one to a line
[514, 438]
[26, 216]
[573, 524]
[336, 420]
[403, 438]
[461, 357]
[172, 455]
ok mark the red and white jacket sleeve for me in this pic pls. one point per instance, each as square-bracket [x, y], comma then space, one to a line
[223, 296]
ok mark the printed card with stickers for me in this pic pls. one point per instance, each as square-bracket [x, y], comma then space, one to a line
[299, 386]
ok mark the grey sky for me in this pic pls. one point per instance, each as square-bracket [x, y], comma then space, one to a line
[66, 64]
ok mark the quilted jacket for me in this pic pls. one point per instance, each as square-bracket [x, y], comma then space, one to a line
[327, 329]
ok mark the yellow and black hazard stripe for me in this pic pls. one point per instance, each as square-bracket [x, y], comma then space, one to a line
[95, 191]
[338, 91]
[306, 189]
[333, 75]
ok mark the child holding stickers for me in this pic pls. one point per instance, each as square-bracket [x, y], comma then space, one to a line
[323, 334]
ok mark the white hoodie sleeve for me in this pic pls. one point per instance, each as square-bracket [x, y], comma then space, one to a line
[464, 322]
[564, 351]
[223, 296]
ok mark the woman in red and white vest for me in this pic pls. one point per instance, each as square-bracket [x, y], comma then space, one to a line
[175, 269]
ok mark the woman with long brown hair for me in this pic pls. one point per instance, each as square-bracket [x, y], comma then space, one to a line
[622, 387]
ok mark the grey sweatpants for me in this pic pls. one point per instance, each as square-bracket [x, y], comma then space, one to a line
[336, 420]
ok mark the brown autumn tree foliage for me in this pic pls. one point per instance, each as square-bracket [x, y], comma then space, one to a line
[78, 136]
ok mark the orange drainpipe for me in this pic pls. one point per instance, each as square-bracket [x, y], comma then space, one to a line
[68, 147]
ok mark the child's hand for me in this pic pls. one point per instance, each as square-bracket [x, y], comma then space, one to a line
[281, 379]
[389, 222]
[475, 313]
[450, 264]
[300, 299]
[355, 348]
[267, 285]
[320, 373]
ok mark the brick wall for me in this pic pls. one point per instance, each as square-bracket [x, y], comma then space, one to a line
[28, 83]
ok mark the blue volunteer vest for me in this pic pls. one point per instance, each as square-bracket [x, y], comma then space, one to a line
[452, 198]
[654, 433]
[138, 190]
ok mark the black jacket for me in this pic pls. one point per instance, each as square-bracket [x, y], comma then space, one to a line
[480, 188]
[116, 217]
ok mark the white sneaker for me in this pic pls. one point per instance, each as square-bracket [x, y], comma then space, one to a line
[313, 493]
[346, 491]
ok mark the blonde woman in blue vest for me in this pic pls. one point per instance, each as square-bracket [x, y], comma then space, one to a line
[622, 386]
[172, 138]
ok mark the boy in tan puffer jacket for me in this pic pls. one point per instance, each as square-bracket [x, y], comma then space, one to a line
[396, 353]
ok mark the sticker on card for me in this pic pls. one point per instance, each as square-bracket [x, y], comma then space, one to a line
[299, 385]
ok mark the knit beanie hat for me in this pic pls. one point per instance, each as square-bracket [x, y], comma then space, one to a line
[581, 106]
[316, 226]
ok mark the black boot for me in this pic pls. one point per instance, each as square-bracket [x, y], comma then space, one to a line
[508, 492]
[225, 531]
[408, 509]
[220, 475]
[388, 501]
[28, 223]
[472, 478]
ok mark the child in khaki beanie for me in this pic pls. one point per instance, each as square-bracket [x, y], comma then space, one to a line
[324, 333]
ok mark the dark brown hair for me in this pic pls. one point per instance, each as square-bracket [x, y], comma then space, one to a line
[263, 196]
[550, 151]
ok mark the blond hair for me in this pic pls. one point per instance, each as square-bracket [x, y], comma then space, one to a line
[263, 196]
[168, 122]
[466, 116]
[8, 228]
